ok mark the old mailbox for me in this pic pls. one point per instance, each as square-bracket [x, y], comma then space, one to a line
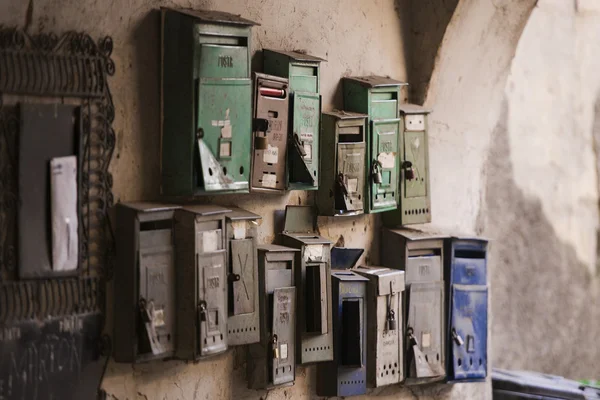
[415, 201]
[342, 164]
[201, 281]
[242, 277]
[270, 127]
[206, 102]
[467, 301]
[303, 73]
[420, 255]
[379, 97]
[313, 281]
[272, 361]
[145, 294]
[385, 350]
[346, 374]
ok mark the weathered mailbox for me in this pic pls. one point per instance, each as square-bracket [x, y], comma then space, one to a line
[145, 272]
[314, 336]
[342, 164]
[206, 102]
[379, 98]
[346, 374]
[467, 295]
[303, 73]
[420, 255]
[272, 361]
[242, 277]
[201, 281]
[270, 126]
[385, 349]
[415, 200]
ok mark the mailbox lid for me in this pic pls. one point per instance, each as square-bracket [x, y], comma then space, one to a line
[296, 55]
[300, 220]
[469, 321]
[407, 108]
[211, 16]
[385, 279]
[206, 210]
[343, 258]
[239, 214]
[346, 115]
[148, 207]
[347, 276]
[374, 81]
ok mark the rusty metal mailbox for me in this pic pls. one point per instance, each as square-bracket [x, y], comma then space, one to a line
[270, 126]
[385, 349]
[420, 255]
[272, 361]
[467, 301]
[342, 164]
[313, 281]
[415, 199]
[346, 374]
[379, 97]
[201, 281]
[145, 272]
[303, 72]
[206, 102]
[242, 277]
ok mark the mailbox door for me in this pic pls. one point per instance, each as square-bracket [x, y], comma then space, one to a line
[469, 270]
[156, 285]
[283, 336]
[351, 171]
[304, 148]
[425, 319]
[224, 123]
[389, 343]
[469, 323]
[415, 152]
[242, 266]
[384, 159]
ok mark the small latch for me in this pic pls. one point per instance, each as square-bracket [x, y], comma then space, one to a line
[202, 310]
[299, 146]
[261, 125]
[275, 348]
[459, 341]
[391, 314]
[233, 277]
[376, 172]
[409, 172]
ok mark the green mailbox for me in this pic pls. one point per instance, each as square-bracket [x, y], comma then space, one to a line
[415, 200]
[206, 102]
[303, 73]
[379, 98]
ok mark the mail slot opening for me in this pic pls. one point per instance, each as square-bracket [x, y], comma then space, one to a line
[350, 134]
[469, 254]
[315, 297]
[308, 237]
[223, 40]
[156, 225]
[351, 348]
[424, 253]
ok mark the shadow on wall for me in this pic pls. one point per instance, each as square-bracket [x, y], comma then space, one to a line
[545, 314]
[424, 23]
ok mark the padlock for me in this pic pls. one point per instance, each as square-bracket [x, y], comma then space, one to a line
[459, 341]
[409, 172]
[275, 348]
[261, 142]
[376, 172]
[391, 321]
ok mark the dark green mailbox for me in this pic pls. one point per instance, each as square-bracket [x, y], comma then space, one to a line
[303, 73]
[342, 164]
[379, 97]
[206, 102]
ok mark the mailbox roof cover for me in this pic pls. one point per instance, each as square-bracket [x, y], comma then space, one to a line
[300, 219]
[297, 55]
[211, 16]
[347, 276]
[373, 81]
[239, 214]
[206, 209]
[276, 248]
[385, 277]
[341, 114]
[149, 207]
[414, 234]
[413, 109]
[260, 75]
[344, 257]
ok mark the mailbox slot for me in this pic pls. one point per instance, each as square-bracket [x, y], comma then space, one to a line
[351, 332]
[316, 298]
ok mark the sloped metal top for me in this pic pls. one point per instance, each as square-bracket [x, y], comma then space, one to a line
[345, 257]
[414, 234]
[297, 55]
[143, 206]
[341, 114]
[375, 81]
[413, 109]
[275, 248]
[213, 16]
[386, 279]
[206, 209]
[238, 214]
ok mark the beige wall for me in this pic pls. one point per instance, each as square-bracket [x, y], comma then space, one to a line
[518, 165]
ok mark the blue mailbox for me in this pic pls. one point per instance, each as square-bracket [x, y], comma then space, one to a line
[346, 375]
[467, 301]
